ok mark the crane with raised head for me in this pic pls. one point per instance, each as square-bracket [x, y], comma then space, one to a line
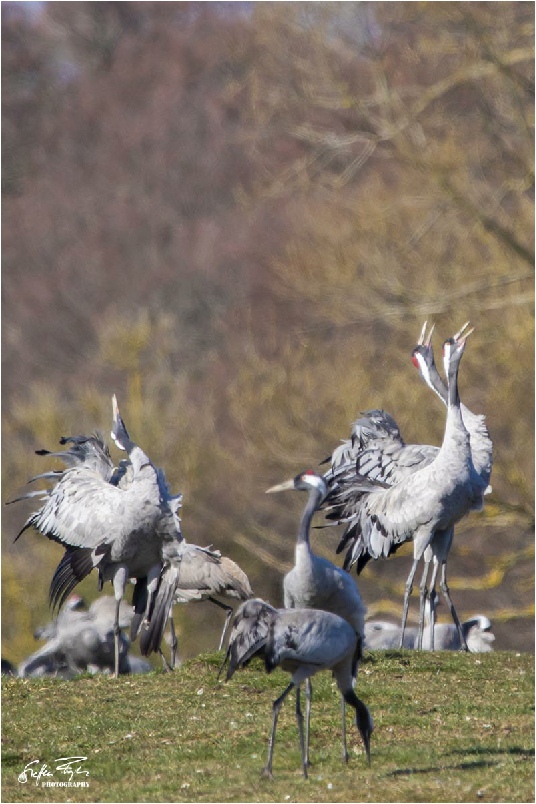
[315, 582]
[482, 457]
[117, 529]
[423, 505]
[377, 450]
[302, 642]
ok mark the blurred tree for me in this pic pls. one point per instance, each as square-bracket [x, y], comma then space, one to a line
[237, 218]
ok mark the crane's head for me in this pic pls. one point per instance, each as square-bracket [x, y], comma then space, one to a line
[305, 482]
[453, 348]
[119, 432]
[422, 356]
[363, 719]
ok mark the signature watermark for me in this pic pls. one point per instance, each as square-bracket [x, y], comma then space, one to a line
[70, 769]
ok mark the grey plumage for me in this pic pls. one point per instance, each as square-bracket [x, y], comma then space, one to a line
[302, 642]
[380, 635]
[80, 641]
[118, 528]
[197, 574]
[314, 582]
[421, 504]
[476, 631]
[482, 457]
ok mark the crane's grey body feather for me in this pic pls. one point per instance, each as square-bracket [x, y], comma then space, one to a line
[302, 642]
[432, 488]
[192, 574]
[117, 522]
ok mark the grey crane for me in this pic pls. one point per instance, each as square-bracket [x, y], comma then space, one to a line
[424, 503]
[482, 457]
[73, 603]
[197, 574]
[80, 640]
[476, 630]
[378, 451]
[302, 642]
[381, 635]
[315, 582]
[118, 530]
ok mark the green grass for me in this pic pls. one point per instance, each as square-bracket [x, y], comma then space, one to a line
[449, 727]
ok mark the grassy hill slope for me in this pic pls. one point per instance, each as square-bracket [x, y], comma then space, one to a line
[449, 727]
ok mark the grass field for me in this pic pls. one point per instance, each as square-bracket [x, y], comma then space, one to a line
[449, 727]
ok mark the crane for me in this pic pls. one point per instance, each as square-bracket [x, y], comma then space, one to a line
[381, 635]
[378, 451]
[315, 582]
[118, 529]
[198, 573]
[425, 502]
[302, 642]
[482, 457]
[80, 640]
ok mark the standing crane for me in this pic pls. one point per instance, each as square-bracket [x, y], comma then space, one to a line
[422, 504]
[378, 451]
[317, 583]
[120, 531]
[482, 457]
[302, 642]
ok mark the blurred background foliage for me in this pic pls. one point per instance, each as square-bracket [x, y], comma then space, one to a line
[237, 217]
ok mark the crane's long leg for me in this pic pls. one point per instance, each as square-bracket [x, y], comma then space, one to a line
[174, 643]
[409, 587]
[120, 579]
[153, 577]
[299, 719]
[433, 597]
[445, 589]
[276, 706]
[345, 754]
[169, 666]
[423, 594]
[229, 610]
[308, 699]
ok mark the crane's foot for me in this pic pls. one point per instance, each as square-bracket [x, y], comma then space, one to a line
[166, 666]
[266, 773]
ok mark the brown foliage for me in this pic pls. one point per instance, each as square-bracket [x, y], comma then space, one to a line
[238, 219]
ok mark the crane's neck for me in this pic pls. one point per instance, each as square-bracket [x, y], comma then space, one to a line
[453, 397]
[315, 495]
[435, 382]
[454, 413]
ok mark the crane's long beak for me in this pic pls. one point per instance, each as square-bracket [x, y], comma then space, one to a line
[288, 484]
